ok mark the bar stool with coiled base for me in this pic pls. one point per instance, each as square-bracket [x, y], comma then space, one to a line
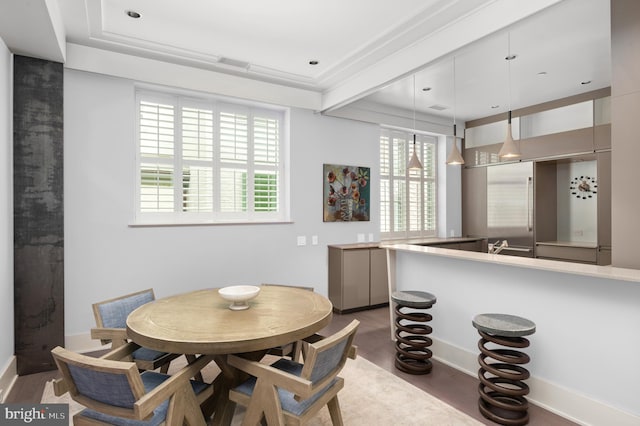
[502, 388]
[412, 341]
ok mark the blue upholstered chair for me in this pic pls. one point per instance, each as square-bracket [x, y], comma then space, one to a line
[290, 392]
[111, 321]
[116, 393]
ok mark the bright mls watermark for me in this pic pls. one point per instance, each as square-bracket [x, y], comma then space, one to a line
[34, 414]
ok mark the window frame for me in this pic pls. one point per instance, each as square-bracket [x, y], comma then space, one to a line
[216, 104]
[389, 181]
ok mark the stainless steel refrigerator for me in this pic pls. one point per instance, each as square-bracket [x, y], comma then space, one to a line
[510, 207]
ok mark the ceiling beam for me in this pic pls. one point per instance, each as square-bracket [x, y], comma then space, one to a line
[139, 69]
[485, 20]
[33, 28]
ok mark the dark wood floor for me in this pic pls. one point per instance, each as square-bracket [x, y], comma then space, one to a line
[454, 387]
[374, 343]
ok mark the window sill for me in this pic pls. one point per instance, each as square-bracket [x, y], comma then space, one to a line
[230, 223]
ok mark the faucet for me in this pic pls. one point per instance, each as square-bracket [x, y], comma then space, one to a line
[496, 247]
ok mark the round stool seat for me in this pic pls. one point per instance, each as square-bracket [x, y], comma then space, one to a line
[412, 331]
[502, 388]
[414, 299]
[504, 325]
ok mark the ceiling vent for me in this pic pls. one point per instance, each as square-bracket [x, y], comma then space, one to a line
[234, 63]
[438, 107]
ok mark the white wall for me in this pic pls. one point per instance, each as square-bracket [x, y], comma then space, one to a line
[585, 348]
[6, 209]
[104, 257]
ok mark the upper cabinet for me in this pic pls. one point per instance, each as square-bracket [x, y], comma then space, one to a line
[474, 202]
[577, 125]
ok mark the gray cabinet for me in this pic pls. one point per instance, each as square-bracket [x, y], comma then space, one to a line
[378, 277]
[604, 208]
[474, 202]
[357, 277]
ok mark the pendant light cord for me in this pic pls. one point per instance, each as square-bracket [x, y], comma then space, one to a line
[414, 162]
[454, 99]
[414, 113]
[509, 58]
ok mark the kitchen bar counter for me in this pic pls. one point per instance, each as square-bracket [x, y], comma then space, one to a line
[581, 311]
[607, 272]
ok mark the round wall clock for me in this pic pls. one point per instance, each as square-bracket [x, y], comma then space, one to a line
[583, 187]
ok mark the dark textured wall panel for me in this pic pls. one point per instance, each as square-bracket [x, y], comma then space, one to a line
[38, 212]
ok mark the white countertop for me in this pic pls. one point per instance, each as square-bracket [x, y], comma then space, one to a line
[352, 246]
[419, 241]
[608, 272]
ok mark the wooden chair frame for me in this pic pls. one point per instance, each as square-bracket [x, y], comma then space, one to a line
[265, 400]
[184, 404]
[118, 336]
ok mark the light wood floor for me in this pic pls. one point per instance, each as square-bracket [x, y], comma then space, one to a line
[373, 340]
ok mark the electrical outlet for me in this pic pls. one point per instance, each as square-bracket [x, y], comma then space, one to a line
[302, 240]
[314, 240]
[370, 236]
[361, 238]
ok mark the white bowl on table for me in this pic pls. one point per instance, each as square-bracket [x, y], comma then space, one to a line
[239, 295]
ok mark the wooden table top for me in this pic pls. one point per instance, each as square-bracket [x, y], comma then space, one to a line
[201, 322]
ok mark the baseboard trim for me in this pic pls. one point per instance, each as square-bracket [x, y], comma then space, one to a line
[81, 343]
[8, 378]
[556, 399]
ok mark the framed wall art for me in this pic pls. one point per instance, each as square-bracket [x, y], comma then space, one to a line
[346, 193]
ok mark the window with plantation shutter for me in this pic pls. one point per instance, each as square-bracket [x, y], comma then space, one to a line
[407, 197]
[266, 134]
[385, 200]
[206, 161]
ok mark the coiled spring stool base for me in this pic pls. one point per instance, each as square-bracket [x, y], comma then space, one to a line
[502, 389]
[413, 355]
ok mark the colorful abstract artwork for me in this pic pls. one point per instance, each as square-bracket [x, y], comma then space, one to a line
[346, 193]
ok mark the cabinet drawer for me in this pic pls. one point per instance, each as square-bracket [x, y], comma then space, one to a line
[575, 254]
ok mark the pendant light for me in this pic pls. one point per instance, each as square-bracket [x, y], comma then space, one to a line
[454, 157]
[509, 147]
[414, 162]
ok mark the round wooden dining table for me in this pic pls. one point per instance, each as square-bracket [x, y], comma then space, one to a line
[200, 322]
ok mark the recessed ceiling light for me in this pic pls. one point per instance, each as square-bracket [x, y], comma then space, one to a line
[426, 89]
[586, 82]
[510, 57]
[313, 62]
[132, 14]
[542, 73]
[495, 106]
